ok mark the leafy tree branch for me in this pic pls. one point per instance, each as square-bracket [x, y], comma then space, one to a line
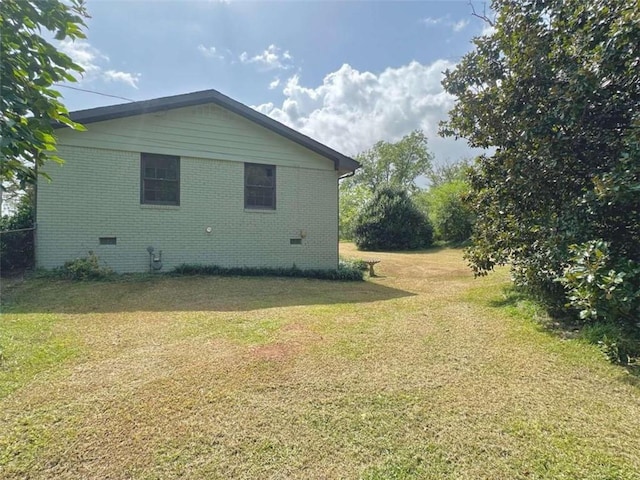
[29, 67]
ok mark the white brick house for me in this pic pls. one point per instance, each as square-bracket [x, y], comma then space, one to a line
[200, 177]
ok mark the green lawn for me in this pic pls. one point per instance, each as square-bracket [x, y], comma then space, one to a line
[422, 372]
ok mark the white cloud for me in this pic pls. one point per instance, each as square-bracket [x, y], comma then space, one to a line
[488, 29]
[265, 108]
[273, 58]
[274, 83]
[84, 55]
[432, 21]
[130, 79]
[352, 110]
[446, 22]
[210, 52]
[93, 60]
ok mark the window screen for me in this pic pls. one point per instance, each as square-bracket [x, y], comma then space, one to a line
[159, 179]
[259, 186]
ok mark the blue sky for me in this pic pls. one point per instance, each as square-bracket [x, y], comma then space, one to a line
[345, 73]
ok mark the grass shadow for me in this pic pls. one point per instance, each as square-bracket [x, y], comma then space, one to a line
[197, 293]
[512, 297]
[620, 346]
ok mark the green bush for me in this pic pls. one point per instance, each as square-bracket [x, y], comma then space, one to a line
[451, 216]
[85, 268]
[344, 272]
[89, 268]
[602, 288]
[392, 221]
[355, 263]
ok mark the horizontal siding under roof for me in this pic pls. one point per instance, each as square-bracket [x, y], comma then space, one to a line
[205, 131]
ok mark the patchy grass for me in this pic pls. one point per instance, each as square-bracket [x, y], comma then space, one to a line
[422, 372]
[30, 345]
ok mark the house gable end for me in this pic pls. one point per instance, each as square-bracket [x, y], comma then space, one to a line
[341, 162]
[203, 131]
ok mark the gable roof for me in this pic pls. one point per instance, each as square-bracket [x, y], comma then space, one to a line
[92, 115]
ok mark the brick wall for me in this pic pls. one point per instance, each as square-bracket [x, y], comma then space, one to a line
[97, 194]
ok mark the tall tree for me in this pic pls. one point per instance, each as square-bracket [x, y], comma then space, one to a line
[29, 67]
[449, 172]
[556, 91]
[395, 165]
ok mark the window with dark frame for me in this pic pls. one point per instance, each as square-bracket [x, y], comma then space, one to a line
[259, 186]
[159, 179]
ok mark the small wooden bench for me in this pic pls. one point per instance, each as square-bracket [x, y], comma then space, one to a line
[371, 263]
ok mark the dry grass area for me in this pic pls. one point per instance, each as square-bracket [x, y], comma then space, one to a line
[422, 372]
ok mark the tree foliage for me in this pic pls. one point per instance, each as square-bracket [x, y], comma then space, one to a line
[448, 210]
[29, 67]
[600, 287]
[446, 202]
[449, 172]
[555, 90]
[352, 199]
[394, 164]
[392, 221]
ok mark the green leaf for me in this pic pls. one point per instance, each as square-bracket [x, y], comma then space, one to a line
[30, 106]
